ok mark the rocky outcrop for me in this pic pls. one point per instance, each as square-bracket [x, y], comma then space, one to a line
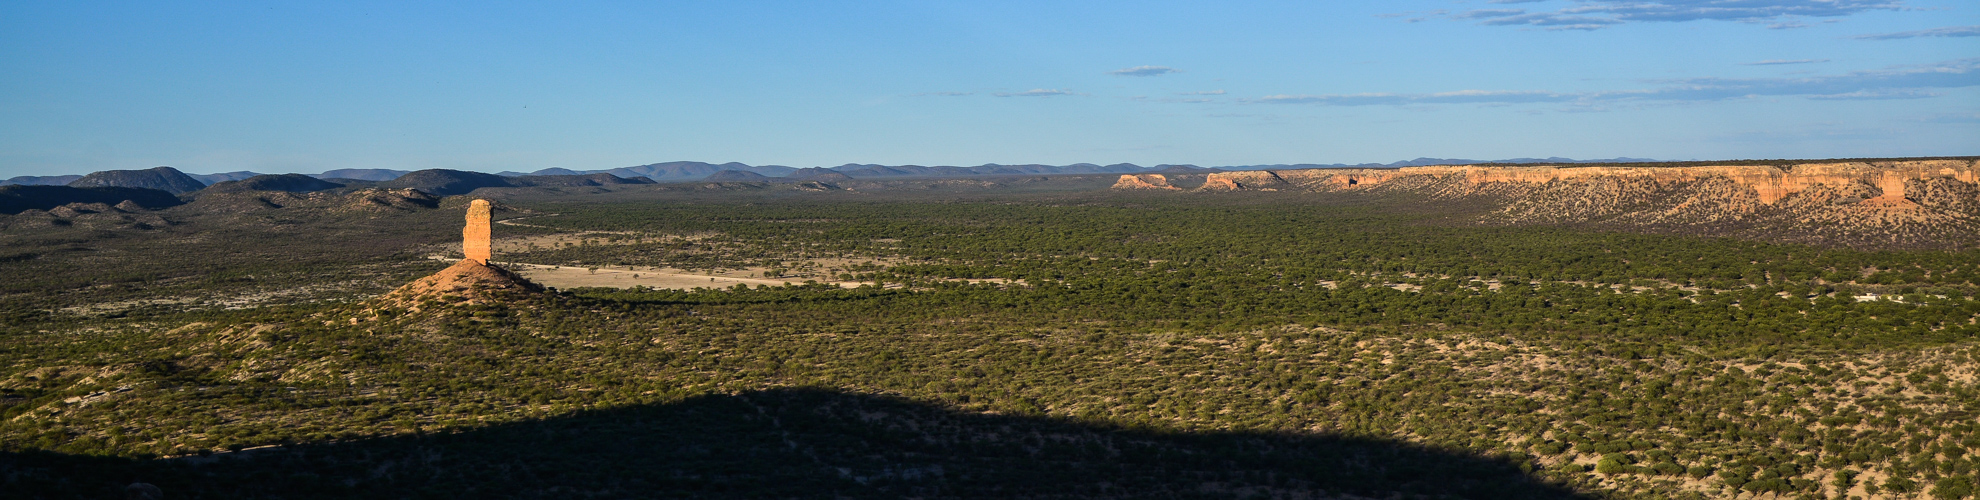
[376, 200]
[475, 236]
[1871, 203]
[1259, 180]
[1145, 181]
[472, 280]
[1768, 184]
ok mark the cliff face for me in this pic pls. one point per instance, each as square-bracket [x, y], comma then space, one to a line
[1145, 181]
[1882, 203]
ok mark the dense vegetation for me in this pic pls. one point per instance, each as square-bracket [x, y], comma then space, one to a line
[1211, 346]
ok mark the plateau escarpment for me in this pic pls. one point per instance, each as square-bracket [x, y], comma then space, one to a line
[1145, 181]
[1905, 203]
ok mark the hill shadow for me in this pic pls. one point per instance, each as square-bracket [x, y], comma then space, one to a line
[798, 443]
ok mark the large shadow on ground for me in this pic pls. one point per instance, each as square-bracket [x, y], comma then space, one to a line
[798, 443]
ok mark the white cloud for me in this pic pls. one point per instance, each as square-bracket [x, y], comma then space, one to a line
[1035, 93]
[1952, 31]
[1772, 62]
[1877, 95]
[1143, 71]
[1598, 14]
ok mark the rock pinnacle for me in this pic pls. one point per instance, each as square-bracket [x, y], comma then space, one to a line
[474, 237]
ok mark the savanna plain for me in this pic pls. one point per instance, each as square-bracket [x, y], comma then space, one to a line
[1192, 335]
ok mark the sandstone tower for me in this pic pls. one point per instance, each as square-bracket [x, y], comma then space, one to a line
[474, 237]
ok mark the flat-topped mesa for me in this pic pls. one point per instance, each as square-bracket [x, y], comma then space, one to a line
[1770, 184]
[475, 237]
[1144, 181]
[1264, 180]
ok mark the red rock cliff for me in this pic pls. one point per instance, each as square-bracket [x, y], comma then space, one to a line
[1768, 184]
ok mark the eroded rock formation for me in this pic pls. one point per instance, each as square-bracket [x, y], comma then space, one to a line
[474, 237]
[1769, 184]
[1144, 181]
[1882, 203]
[473, 280]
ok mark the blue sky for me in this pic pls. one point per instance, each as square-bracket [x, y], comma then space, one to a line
[491, 86]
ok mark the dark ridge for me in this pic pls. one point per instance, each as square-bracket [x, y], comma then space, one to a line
[445, 182]
[547, 171]
[1182, 169]
[351, 182]
[17, 199]
[294, 183]
[801, 443]
[693, 170]
[362, 174]
[735, 175]
[41, 180]
[166, 179]
[818, 174]
[211, 179]
[598, 179]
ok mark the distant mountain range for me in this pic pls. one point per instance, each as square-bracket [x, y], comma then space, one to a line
[172, 180]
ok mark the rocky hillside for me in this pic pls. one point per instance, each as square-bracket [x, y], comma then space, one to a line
[294, 183]
[166, 179]
[1899, 203]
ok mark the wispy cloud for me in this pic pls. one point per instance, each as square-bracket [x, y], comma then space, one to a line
[1878, 95]
[1462, 96]
[1035, 93]
[1195, 100]
[1902, 82]
[1773, 62]
[1488, 13]
[1202, 92]
[1143, 71]
[1598, 14]
[1552, 21]
[1952, 31]
[1960, 118]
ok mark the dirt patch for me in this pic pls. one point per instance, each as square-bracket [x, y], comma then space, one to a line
[650, 277]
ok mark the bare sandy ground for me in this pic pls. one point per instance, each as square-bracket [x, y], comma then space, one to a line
[650, 277]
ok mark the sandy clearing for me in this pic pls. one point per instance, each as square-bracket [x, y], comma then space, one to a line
[650, 277]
